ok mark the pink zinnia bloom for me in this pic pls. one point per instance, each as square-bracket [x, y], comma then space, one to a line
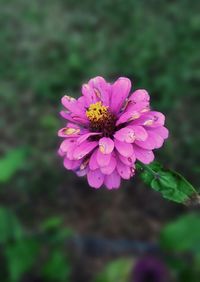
[108, 130]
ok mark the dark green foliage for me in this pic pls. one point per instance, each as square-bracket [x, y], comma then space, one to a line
[23, 250]
[21, 256]
[11, 162]
[57, 268]
[179, 237]
[48, 49]
[183, 235]
[116, 271]
[10, 228]
[179, 240]
[153, 43]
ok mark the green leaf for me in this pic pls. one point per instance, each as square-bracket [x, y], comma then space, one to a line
[10, 227]
[116, 271]
[57, 268]
[10, 163]
[20, 258]
[182, 235]
[52, 223]
[63, 234]
[170, 184]
[57, 234]
[146, 175]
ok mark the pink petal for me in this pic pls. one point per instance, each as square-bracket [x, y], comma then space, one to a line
[82, 172]
[120, 91]
[140, 132]
[103, 159]
[151, 119]
[113, 180]
[70, 164]
[123, 170]
[162, 131]
[110, 167]
[135, 109]
[83, 167]
[70, 124]
[61, 153]
[131, 133]
[86, 136]
[93, 161]
[83, 149]
[125, 149]
[140, 107]
[89, 94]
[158, 139]
[153, 141]
[127, 116]
[82, 101]
[67, 145]
[69, 132]
[140, 95]
[74, 118]
[73, 106]
[127, 161]
[66, 115]
[125, 134]
[68, 102]
[145, 156]
[95, 178]
[158, 118]
[101, 89]
[106, 145]
[70, 152]
[80, 119]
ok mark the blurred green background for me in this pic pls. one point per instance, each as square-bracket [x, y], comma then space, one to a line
[49, 48]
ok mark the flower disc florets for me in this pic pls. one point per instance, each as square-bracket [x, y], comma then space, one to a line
[101, 119]
[107, 131]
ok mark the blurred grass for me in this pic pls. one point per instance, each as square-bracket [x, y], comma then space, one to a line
[51, 47]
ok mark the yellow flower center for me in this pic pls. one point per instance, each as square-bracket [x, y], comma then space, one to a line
[101, 120]
[97, 112]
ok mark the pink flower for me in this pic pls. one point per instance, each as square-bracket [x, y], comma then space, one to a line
[108, 130]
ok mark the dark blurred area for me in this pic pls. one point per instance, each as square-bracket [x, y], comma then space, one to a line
[48, 49]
